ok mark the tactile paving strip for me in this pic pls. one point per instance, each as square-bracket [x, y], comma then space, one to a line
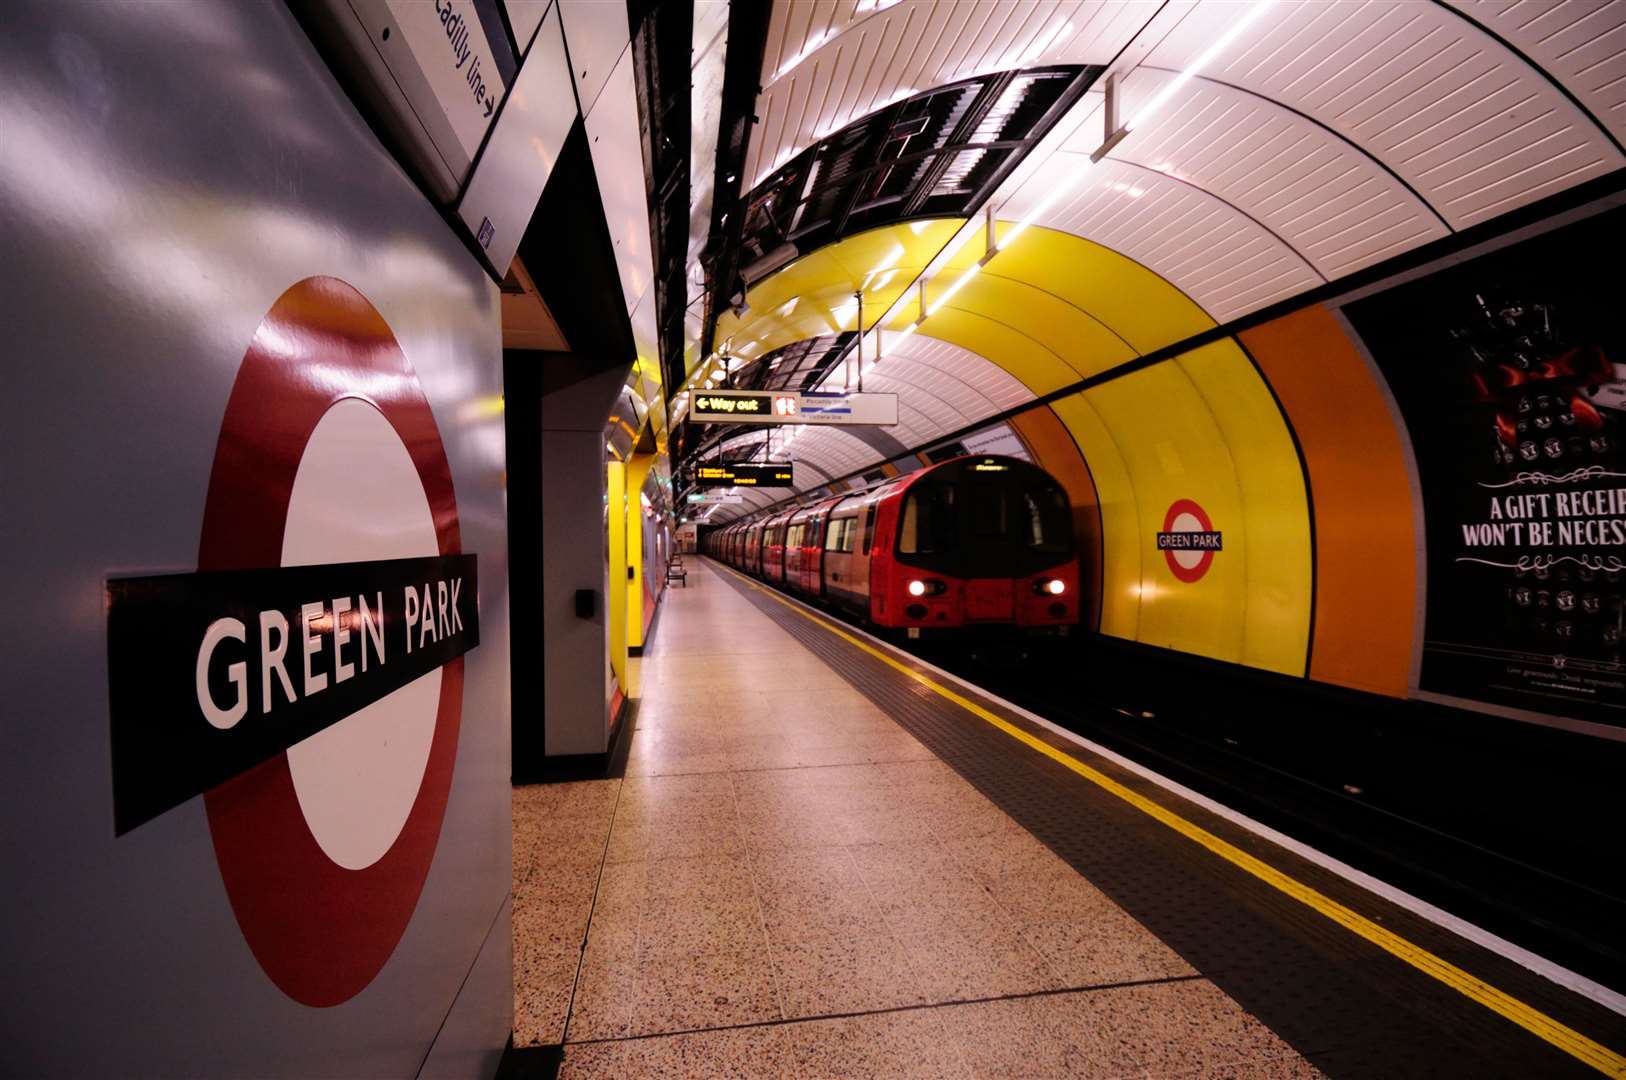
[1348, 1007]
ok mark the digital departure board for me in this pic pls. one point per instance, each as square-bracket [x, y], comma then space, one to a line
[742, 474]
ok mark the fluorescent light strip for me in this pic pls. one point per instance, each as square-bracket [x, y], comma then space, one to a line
[1066, 187]
[1058, 193]
[1196, 66]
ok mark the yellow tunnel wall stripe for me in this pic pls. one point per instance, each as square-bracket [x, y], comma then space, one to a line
[1121, 550]
[1275, 509]
[1544, 1027]
[1055, 308]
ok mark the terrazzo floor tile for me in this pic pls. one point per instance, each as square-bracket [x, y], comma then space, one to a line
[826, 976]
[908, 1045]
[1179, 1026]
[1109, 947]
[606, 989]
[741, 1054]
[543, 980]
[683, 992]
[994, 961]
[786, 884]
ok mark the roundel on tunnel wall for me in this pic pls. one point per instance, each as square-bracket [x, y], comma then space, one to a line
[329, 454]
[1188, 540]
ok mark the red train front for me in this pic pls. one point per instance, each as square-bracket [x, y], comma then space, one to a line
[976, 542]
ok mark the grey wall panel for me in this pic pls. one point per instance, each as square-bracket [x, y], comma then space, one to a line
[167, 171]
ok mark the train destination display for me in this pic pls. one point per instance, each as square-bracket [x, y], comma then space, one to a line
[742, 474]
[1510, 370]
[793, 407]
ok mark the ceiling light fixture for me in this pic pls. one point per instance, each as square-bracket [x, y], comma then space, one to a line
[1065, 188]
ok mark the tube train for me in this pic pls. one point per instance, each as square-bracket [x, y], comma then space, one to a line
[967, 545]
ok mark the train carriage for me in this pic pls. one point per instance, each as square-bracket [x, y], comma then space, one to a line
[975, 543]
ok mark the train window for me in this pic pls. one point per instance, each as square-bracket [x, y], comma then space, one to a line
[988, 517]
[832, 537]
[928, 524]
[1049, 525]
[869, 527]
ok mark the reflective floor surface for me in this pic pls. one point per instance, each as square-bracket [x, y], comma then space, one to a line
[788, 884]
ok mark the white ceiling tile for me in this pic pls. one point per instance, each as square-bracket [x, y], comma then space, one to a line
[1581, 43]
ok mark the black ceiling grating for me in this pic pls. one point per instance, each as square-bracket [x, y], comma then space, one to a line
[937, 154]
[798, 366]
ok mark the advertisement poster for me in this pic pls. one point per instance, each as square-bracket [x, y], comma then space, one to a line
[1510, 371]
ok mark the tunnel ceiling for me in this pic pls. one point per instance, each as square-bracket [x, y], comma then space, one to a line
[1319, 140]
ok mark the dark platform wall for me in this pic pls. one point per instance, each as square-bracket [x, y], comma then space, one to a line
[166, 173]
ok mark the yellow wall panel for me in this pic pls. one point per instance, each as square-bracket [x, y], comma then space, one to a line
[1138, 304]
[1083, 342]
[637, 470]
[882, 262]
[615, 485]
[1121, 549]
[1173, 450]
[1275, 509]
[1039, 369]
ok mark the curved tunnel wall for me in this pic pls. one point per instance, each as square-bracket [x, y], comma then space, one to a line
[1284, 433]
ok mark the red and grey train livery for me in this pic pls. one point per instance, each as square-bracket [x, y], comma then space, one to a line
[974, 542]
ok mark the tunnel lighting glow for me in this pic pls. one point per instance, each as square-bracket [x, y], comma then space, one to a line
[917, 588]
[807, 50]
[1192, 70]
[1056, 586]
[959, 283]
[1064, 189]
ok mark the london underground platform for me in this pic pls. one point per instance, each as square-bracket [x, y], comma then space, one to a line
[827, 858]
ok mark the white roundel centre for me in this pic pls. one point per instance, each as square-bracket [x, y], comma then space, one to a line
[357, 497]
[1185, 521]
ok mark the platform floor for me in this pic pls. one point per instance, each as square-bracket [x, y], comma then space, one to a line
[788, 882]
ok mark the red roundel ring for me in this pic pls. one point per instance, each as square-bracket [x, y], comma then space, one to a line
[1188, 574]
[319, 930]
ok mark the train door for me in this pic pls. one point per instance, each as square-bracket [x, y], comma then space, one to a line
[863, 526]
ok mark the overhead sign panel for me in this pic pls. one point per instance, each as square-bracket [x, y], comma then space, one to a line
[449, 44]
[792, 407]
[878, 409]
[744, 406]
[742, 474]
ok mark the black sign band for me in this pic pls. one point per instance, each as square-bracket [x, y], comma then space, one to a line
[210, 674]
[743, 474]
[1190, 541]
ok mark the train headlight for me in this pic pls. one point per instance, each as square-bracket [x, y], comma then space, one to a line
[1055, 587]
[917, 588]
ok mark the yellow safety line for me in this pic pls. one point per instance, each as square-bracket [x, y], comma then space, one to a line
[1532, 1020]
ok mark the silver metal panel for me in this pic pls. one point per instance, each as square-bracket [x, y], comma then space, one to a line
[167, 171]
[597, 35]
[518, 158]
[618, 160]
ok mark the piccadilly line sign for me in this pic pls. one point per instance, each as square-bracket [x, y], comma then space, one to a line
[212, 673]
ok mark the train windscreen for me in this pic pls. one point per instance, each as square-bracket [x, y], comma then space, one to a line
[985, 518]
